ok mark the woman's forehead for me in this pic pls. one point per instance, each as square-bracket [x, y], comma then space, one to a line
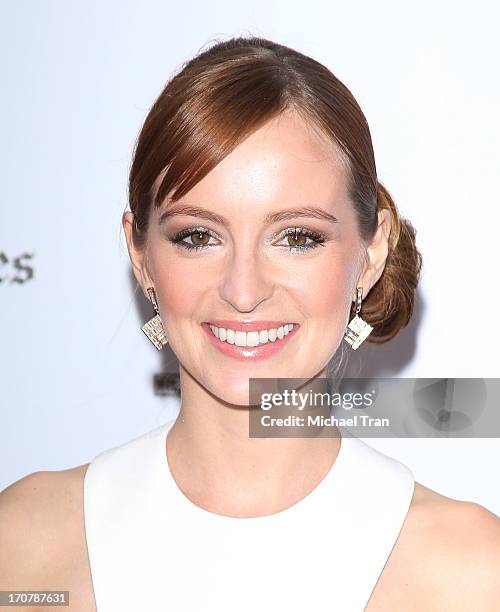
[286, 163]
[283, 163]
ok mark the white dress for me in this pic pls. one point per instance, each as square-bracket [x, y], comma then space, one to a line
[151, 548]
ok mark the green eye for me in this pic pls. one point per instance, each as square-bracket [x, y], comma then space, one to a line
[297, 240]
[200, 238]
[302, 239]
[193, 238]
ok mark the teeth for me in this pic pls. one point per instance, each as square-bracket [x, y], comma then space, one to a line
[253, 338]
[240, 338]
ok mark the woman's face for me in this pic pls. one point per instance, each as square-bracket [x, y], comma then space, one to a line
[238, 262]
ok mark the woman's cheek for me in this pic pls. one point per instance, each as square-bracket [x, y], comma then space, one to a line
[324, 289]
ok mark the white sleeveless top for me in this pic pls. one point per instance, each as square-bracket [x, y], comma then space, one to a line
[152, 549]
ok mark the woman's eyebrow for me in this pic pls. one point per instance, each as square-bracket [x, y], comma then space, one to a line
[281, 215]
[304, 211]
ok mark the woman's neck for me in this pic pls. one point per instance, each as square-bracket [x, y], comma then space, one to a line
[220, 468]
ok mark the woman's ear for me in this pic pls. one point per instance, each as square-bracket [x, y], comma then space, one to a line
[376, 253]
[138, 256]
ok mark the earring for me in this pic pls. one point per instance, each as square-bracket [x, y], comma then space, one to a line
[154, 327]
[357, 330]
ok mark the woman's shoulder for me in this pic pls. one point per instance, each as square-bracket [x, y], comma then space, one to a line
[447, 556]
[464, 526]
[43, 497]
[43, 534]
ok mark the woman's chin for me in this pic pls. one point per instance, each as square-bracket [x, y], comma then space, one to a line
[234, 390]
[245, 390]
[235, 393]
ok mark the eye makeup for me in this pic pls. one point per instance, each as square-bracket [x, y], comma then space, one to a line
[295, 233]
[299, 239]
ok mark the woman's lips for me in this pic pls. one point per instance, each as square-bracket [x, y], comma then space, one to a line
[245, 353]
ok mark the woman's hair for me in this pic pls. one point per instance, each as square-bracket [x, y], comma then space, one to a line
[228, 91]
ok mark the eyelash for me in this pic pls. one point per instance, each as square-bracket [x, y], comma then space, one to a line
[317, 238]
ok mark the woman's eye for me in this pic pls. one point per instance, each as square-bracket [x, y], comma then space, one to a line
[193, 239]
[296, 240]
[302, 239]
[200, 238]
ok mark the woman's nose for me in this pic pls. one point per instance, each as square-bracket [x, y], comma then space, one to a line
[246, 281]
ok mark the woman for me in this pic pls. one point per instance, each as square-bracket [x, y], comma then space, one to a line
[259, 231]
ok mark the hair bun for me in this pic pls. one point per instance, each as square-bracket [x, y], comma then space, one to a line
[389, 304]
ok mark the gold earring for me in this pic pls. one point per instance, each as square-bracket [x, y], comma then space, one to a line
[154, 327]
[358, 330]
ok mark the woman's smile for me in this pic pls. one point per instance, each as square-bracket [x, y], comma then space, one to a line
[250, 339]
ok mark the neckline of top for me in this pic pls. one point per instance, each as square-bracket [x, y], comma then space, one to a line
[313, 497]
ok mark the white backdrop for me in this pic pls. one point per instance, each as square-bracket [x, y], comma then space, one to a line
[77, 81]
